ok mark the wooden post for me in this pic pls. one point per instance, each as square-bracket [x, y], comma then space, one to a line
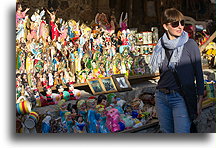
[203, 46]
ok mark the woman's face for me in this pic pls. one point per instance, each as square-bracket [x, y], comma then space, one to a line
[174, 31]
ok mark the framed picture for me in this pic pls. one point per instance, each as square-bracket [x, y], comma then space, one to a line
[121, 82]
[95, 86]
[108, 84]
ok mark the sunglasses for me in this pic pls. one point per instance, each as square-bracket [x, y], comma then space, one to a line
[176, 24]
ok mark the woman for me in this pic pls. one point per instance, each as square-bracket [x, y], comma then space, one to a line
[176, 52]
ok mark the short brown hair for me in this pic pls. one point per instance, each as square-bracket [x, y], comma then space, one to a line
[171, 15]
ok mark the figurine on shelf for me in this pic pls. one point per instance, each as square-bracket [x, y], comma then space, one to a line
[71, 90]
[44, 80]
[56, 78]
[123, 22]
[49, 98]
[24, 79]
[92, 115]
[50, 79]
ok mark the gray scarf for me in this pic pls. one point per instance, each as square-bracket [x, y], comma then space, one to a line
[159, 55]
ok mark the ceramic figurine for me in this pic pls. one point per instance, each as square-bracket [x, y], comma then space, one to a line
[46, 127]
[113, 120]
[60, 90]
[80, 125]
[92, 116]
[82, 110]
[49, 98]
[71, 90]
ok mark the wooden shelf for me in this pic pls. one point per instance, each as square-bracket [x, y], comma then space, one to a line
[141, 44]
[151, 123]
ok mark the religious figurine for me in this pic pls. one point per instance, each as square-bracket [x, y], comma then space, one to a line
[46, 127]
[123, 22]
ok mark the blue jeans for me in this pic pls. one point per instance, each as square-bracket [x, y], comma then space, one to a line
[172, 113]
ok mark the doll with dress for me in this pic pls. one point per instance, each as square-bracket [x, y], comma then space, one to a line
[63, 109]
[102, 127]
[44, 80]
[113, 120]
[46, 126]
[92, 116]
[80, 125]
[69, 122]
[82, 109]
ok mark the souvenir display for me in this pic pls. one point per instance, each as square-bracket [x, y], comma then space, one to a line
[52, 58]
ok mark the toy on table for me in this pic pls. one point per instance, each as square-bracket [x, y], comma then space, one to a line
[80, 125]
[46, 127]
[82, 110]
[92, 115]
[113, 120]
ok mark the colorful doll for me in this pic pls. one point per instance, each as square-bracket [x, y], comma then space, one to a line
[113, 121]
[71, 90]
[50, 79]
[82, 110]
[92, 116]
[128, 121]
[46, 127]
[63, 109]
[60, 90]
[123, 22]
[49, 98]
[54, 27]
[56, 78]
[80, 125]
[69, 122]
[44, 80]
[102, 128]
[101, 101]
[24, 78]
